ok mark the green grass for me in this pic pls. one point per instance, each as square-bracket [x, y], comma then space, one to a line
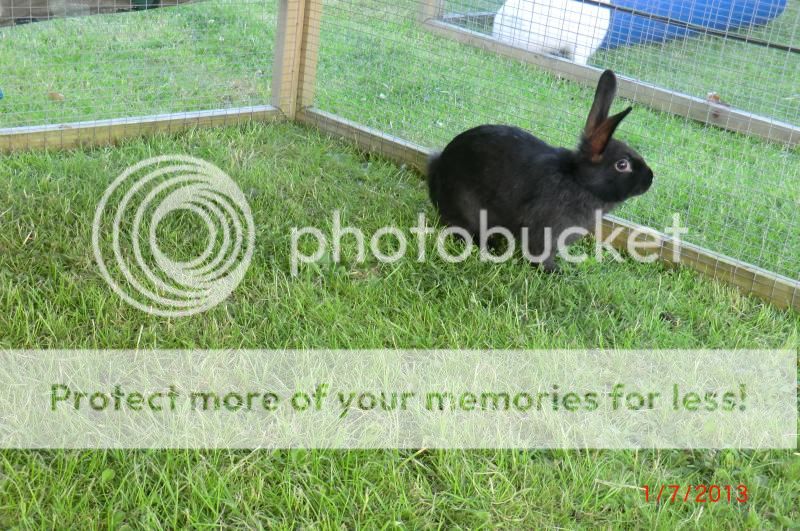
[740, 196]
[378, 66]
[208, 55]
[52, 296]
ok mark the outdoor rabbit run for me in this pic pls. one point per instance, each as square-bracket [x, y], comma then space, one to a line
[715, 90]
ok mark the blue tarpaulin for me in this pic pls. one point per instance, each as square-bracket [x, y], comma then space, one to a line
[722, 15]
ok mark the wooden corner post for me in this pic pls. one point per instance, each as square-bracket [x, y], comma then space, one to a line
[296, 52]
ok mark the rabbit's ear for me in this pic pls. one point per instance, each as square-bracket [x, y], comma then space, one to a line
[603, 97]
[595, 142]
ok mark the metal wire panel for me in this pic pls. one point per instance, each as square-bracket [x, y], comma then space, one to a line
[60, 63]
[748, 67]
[740, 195]
[381, 65]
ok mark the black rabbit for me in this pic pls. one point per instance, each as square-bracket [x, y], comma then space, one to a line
[522, 182]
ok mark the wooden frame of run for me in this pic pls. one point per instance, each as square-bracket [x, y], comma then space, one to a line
[100, 132]
[293, 84]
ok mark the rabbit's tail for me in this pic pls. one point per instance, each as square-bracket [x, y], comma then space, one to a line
[433, 177]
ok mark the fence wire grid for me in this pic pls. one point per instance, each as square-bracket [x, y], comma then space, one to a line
[58, 64]
[381, 64]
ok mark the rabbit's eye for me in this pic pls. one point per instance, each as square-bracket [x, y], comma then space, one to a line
[623, 165]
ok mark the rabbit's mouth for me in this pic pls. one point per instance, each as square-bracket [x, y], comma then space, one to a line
[643, 185]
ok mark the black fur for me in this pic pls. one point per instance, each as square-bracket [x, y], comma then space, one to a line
[521, 181]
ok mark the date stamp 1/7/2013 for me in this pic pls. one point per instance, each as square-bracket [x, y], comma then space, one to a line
[696, 493]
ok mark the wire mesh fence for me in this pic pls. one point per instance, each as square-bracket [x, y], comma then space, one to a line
[739, 195]
[742, 52]
[58, 64]
[382, 65]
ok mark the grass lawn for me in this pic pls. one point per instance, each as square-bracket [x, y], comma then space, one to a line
[193, 57]
[51, 296]
[378, 66]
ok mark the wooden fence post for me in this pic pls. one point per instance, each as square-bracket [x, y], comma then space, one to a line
[296, 53]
